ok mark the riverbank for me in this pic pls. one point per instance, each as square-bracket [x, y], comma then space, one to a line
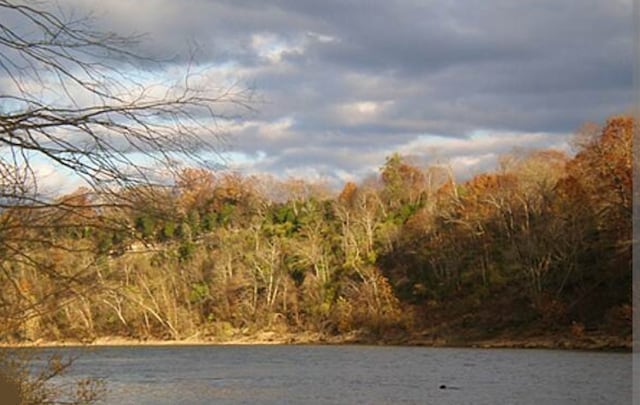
[592, 341]
[261, 338]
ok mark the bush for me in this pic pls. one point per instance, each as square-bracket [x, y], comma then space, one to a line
[21, 384]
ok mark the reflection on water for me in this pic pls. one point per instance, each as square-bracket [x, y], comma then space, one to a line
[354, 374]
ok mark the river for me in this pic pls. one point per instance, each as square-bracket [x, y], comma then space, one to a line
[273, 374]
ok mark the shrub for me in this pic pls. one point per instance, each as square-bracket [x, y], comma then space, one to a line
[22, 384]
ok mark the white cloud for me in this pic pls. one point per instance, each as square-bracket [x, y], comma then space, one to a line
[481, 142]
[272, 48]
[322, 38]
[54, 180]
[278, 130]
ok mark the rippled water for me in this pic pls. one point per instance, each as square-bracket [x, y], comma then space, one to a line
[354, 375]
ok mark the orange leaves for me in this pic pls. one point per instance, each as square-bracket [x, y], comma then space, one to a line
[491, 183]
[609, 154]
[348, 194]
[482, 193]
[196, 188]
[403, 183]
[603, 169]
[396, 169]
[204, 191]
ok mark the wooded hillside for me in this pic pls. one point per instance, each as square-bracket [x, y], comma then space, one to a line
[540, 246]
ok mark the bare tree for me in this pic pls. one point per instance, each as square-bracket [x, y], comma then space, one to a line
[71, 97]
[85, 103]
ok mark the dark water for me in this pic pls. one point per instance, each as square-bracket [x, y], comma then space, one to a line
[354, 375]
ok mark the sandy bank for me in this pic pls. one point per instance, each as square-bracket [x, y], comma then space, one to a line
[588, 342]
[262, 338]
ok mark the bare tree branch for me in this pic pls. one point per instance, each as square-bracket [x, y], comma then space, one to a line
[82, 101]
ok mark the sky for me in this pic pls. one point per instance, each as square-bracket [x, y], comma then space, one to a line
[340, 85]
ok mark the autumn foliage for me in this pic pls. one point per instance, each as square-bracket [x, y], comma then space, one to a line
[541, 244]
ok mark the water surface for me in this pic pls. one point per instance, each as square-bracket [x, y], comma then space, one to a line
[354, 375]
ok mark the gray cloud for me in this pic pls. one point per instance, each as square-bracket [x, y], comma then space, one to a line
[356, 80]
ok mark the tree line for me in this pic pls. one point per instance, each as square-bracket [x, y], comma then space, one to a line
[542, 243]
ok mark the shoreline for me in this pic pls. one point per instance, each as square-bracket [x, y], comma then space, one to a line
[552, 342]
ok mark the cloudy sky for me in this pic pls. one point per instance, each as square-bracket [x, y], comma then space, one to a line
[342, 84]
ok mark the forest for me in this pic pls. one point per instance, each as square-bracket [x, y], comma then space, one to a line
[539, 247]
